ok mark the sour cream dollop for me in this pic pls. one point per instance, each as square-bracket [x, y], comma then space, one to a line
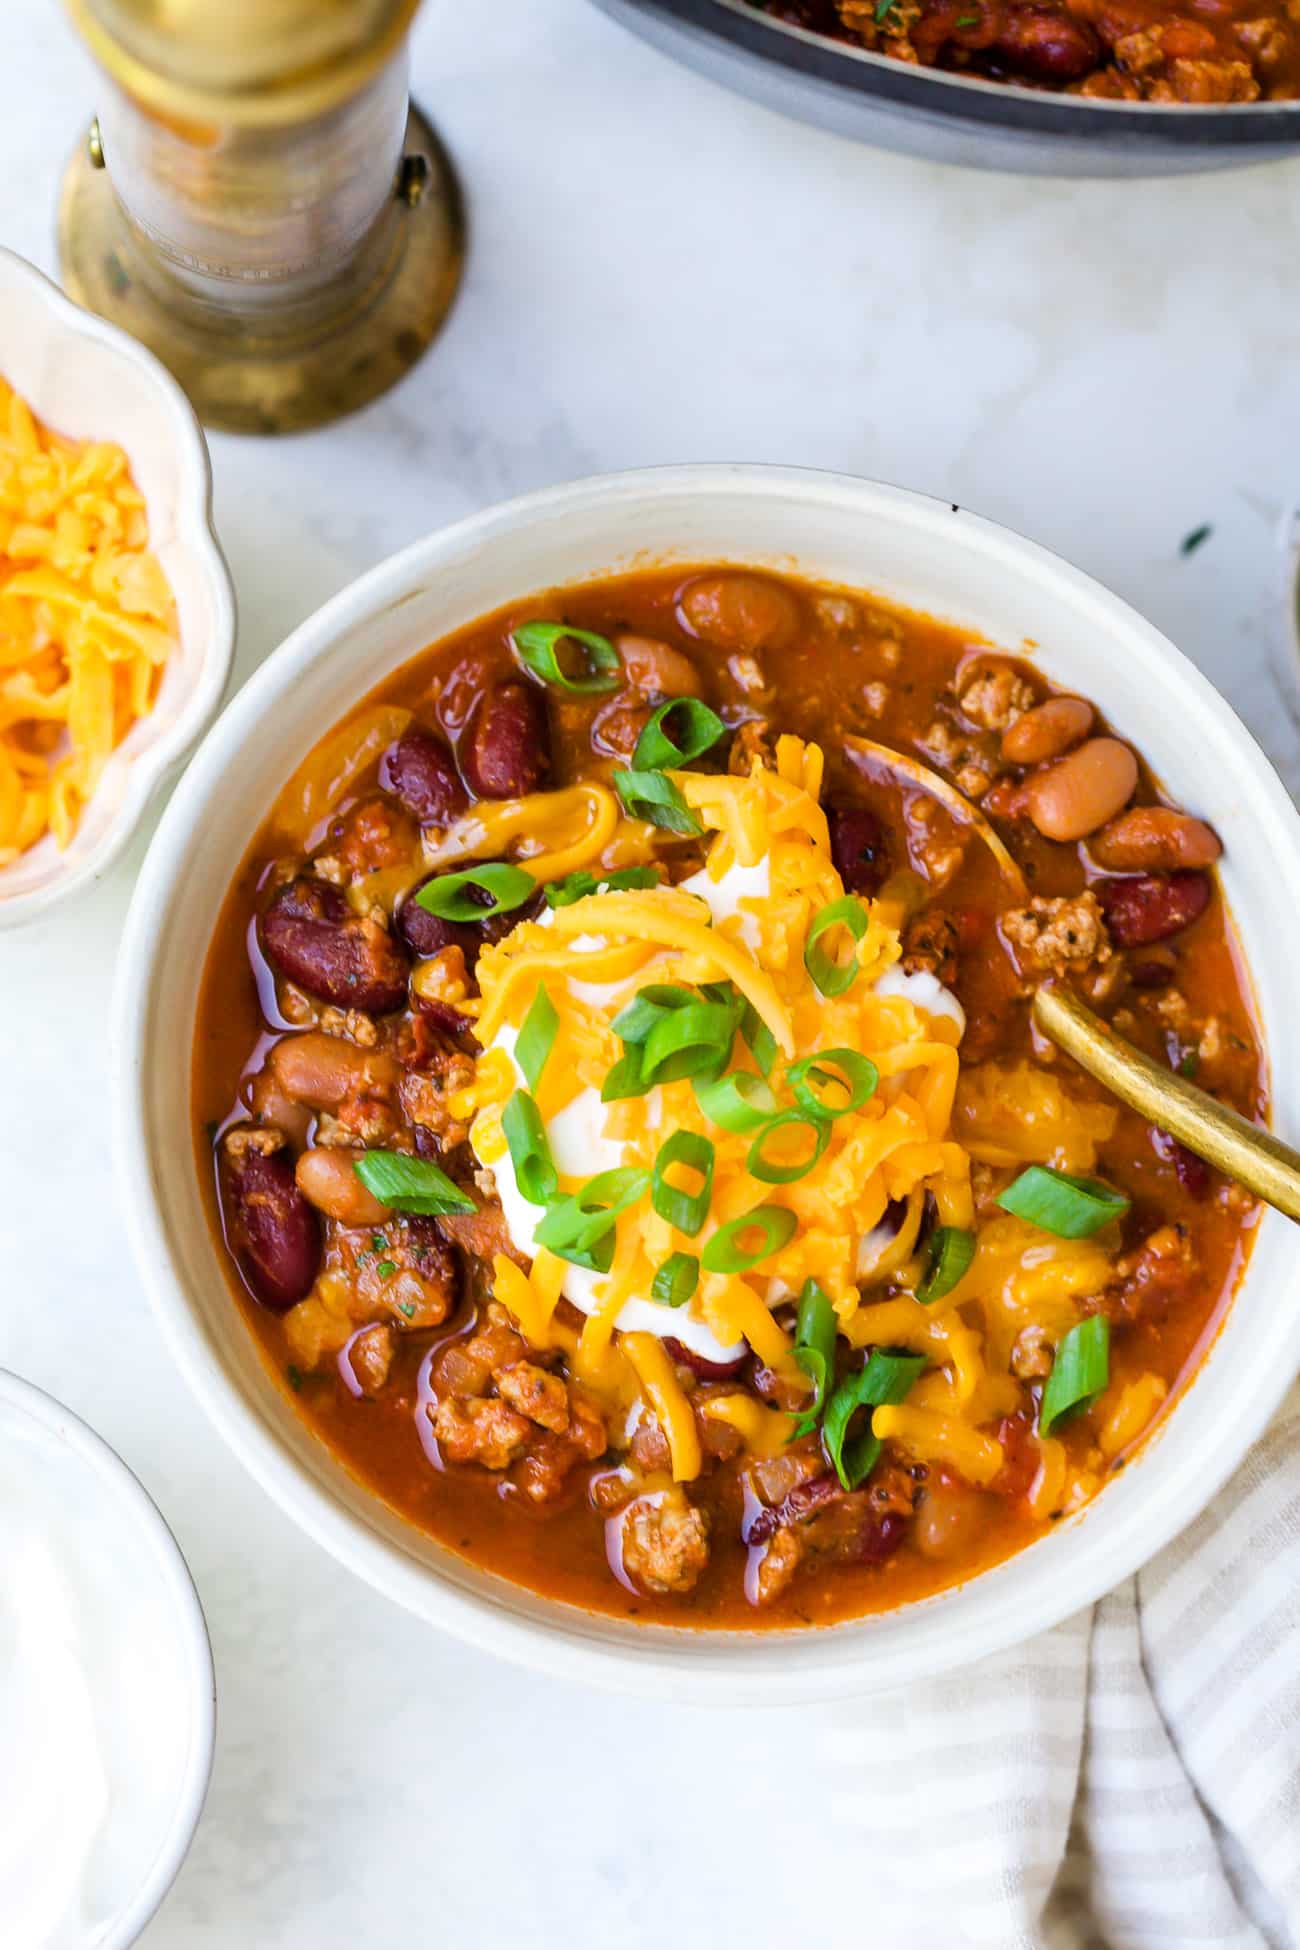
[577, 1137]
[97, 1695]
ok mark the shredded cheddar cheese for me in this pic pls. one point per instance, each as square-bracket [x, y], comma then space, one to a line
[908, 1142]
[87, 622]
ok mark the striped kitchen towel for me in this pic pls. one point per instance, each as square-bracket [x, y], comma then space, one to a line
[1129, 1781]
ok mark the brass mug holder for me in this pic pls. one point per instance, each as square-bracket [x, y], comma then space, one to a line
[286, 272]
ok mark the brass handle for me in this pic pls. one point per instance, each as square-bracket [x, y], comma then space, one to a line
[1255, 1158]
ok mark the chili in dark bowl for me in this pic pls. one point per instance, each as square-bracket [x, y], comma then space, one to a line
[1193, 51]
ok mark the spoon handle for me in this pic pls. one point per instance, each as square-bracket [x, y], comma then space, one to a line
[1254, 1157]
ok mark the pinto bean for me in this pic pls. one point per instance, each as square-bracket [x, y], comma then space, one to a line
[1076, 795]
[742, 612]
[1048, 731]
[1047, 44]
[949, 1519]
[1154, 839]
[270, 1228]
[859, 849]
[655, 667]
[507, 752]
[310, 934]
[324, 1071]
[1151, 907]
[326, 1178]
[420, 772]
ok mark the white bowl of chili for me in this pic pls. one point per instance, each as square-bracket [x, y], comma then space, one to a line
[917, 552]
[90, 386]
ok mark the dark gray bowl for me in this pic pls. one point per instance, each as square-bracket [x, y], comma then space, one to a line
[947, 118]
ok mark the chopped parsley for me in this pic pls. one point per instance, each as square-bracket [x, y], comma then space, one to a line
[294, 1377]
[1191, 542]
[386, 1269]
[406, 1309]
[379, 1242]
[1189, 1064]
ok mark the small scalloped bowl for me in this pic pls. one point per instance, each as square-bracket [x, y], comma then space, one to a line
[89, 381]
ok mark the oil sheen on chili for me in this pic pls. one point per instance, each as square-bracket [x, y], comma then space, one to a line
[626, 1136]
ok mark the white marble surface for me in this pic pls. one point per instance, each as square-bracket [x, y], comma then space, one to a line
[659, 272]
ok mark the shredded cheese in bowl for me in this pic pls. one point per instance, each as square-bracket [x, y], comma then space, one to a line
[87, 622]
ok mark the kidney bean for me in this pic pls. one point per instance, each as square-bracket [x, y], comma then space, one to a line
[1154, 839]
[881, 1536]
[1047, 45]
[325, 1177]
[270, 1228]
[801, 1502]
[420, 771]
[507, 751]
[698, 1364]
[428, 934]
[1192, 1172]
[656, 667]
[1076, 795]
[1153, 971]
[742, 612]
[1151, 908]
[1047, 731]
[324, 1071]
[310, 934]
[859, 849]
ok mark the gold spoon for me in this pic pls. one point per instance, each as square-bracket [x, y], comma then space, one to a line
[1255, 1158]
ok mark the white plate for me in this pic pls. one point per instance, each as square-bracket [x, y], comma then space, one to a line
[84, 378]
[922, 553]
[105, 1621]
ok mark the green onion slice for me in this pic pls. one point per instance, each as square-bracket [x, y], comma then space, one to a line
[1072, 1208]
[678, 731]
[773, 1171]
[536, 1037]
[537, 646]
[814, 1352]
[685, 1210]
[652, 796]
[410, 1184]
[689, 1042]
[951, 1252]
[887, 1377]
[624, 1080]
[576, 886]
[831, 976]
[586, 1216]
[449, 896]
[597, 1259]
[647, 1008]
[739, 1102]
[676, 1280]
[762, 1043]
[724, 1251]
[1079, 1372]
[819, 1090]
[530, 1153]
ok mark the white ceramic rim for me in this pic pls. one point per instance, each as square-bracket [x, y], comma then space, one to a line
[186, 1610]
[194, 521]
[722, 1667]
